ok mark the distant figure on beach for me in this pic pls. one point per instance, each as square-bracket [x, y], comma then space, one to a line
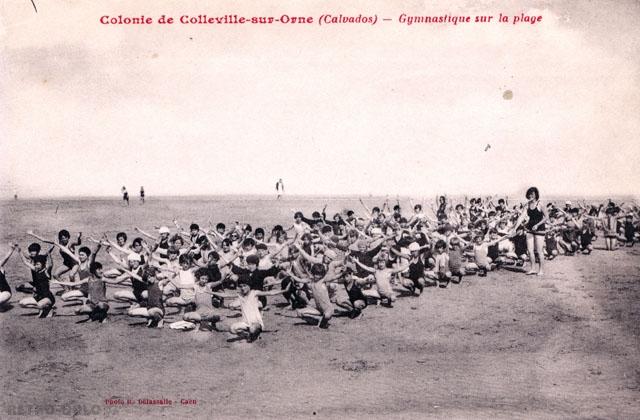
[142, 194]
[125, 195]
[279, 188]
[15, 197]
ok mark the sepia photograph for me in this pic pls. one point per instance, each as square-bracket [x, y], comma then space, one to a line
[320, 210]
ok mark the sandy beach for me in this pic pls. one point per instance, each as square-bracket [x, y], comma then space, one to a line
[565, 345]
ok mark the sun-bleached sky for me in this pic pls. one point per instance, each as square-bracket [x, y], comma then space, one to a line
[332, 109]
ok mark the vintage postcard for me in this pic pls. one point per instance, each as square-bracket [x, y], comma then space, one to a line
[319, 209]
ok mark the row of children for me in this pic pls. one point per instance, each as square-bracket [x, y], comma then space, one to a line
[323, 267]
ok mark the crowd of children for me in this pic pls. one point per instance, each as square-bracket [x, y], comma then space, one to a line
[323, 267]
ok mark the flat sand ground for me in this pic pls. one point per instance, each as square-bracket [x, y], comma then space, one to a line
[506, 346]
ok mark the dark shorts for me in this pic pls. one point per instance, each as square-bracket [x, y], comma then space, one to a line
[49, 296]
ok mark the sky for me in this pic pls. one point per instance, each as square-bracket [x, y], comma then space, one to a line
[333, 109]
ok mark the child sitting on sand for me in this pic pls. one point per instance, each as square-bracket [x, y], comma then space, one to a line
[414, 279]
[629, 229]
[133, 271]
[63, 242]
[382, 274]
[317, 282]
[356, 300]
[440, 272]
[456, 259]
[79, 273]
[183, 283]
[252, 324]
[204, 312]
[481, 253]
[154, 310]
[33, 250]
[95, 304]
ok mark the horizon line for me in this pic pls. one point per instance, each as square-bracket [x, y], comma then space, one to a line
[310, 195]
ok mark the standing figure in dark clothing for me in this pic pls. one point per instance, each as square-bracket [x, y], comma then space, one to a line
[535, 217]
[125, 195]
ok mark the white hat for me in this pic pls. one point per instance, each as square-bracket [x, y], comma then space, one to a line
[568, 203]
[164, 229]
[414, 246]
[134, 257]
[331, 254]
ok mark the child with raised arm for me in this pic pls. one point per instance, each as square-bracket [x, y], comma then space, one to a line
[251, 325]
[138, 247]
[132, 271]
[253, 276]
[569, 239]
[161, 242]
[154, 311]
[365, 253]
[382, 275]
[441, 273]
[414, 279]
[323, 311]
[204, 313]
[441, 213]
[95, 304]
[356, 300]
[42, 298]
[296, 294]
[481, 250]
[5, 289]
[183, 282]
[79, 273]
[63, 241]
[68, 263]
[33, 250]
[456, 259]
[326, 257]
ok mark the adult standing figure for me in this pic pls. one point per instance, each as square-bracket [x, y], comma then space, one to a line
[535, 220]
[279, 188]
[125, 195]
[142, 194]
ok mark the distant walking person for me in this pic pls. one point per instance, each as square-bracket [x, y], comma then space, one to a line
[142, 194]
[125, 195]
[279, 188]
